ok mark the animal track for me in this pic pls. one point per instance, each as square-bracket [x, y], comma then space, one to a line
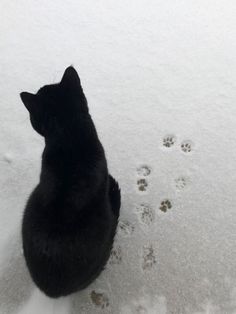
[186, 146]
[116, 256]
[169, 140]
[180, 183]
[148, 257]
[142, 185]
[165, 205]
[125, 228]
[8, 158]
[99, 299]
[144, 171]
[141, 310]
[145, 213]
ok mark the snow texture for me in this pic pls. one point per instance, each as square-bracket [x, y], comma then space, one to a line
[160, 78]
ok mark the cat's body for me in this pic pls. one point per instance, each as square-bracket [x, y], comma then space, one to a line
[71, 217]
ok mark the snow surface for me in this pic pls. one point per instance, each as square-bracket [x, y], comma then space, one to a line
[160, 78]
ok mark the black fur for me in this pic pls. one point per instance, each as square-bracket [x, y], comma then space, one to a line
[71, 216]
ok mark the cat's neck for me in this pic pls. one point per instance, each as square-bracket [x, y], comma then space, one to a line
[70, 150]
[76, 136]
[66, 148]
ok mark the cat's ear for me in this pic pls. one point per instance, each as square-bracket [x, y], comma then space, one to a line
[70, 79]
[29, 100]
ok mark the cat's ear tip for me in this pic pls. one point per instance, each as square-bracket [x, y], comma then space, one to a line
[70, 77]
[23, 96]
[70, 69]
[27, 98]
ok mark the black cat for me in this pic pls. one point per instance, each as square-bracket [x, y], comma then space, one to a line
[70, 219]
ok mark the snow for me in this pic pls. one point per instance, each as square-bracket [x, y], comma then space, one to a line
[160, 78]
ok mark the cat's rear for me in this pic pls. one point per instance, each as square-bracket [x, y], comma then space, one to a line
[71, 217]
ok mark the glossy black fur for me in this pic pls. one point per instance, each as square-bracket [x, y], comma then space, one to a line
[70, 219]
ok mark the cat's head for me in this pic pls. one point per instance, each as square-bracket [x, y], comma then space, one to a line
[55, 107]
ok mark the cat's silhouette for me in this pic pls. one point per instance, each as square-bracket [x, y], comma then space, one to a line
[70, 219]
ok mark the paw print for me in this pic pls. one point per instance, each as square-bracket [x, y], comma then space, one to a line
[144, 171]
[180, 183]
[99, 299]
[125, 228]
[142, 185]
[8, 158]
[148, 258]
[165, 205]
[168, 141]
[145, 213]
[141, 310]
[186, 146]
[116, 256]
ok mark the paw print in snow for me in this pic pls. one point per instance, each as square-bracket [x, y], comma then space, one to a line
[186, 146]
[141, 310]
[142, 185]
[168, 141]
[145, 213]
[99, 299]
[125, 228]
[148, 257]
[165, 205]
[116, 255]
[144, 171]
[180, 183]
[8, 158]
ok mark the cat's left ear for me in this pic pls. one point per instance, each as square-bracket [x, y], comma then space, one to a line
[70, 79]
[29, 100]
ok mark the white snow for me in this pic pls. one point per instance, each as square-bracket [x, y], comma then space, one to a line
[151, 70]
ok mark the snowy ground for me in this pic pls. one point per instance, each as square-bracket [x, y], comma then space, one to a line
[158, 74]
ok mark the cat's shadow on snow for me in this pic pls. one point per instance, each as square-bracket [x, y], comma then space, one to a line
[15, 282]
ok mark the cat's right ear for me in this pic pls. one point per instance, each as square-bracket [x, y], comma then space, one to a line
[29, 100]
